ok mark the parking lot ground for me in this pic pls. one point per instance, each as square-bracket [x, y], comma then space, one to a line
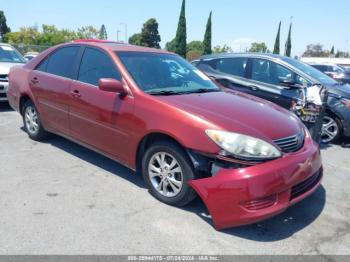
[57, 197]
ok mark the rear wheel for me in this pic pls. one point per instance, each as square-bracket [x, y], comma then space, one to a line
[32, 123]
[166, 170]
[331, 129]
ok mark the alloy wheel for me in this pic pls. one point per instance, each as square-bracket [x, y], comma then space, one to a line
[165, 174]
[330, 129]
[31, 120]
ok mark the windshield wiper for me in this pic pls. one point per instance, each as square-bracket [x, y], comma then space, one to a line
[163, 93]
[202, 90]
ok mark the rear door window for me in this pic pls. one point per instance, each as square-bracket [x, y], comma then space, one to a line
[95, 65]
[233, 66]
[62, 61]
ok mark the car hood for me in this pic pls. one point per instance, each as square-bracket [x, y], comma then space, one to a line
[340, 90]
[238, 112]
[5, 67]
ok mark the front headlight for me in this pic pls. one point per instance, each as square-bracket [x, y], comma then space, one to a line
[242, 146]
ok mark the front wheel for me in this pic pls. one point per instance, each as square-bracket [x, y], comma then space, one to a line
[331, 129]
[166, 169]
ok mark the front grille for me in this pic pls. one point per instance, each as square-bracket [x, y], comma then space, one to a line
[3, 78]
[306, 185]
[290, 144]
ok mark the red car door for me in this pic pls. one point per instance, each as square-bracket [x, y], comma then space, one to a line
[50, 84]
[97, 118]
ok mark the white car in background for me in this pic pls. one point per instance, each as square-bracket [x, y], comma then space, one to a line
[30, 55]
[9, 57]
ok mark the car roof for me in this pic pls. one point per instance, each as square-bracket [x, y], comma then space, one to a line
[117, 46]
[232, 55]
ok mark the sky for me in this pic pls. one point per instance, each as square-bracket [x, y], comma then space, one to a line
[236, 23]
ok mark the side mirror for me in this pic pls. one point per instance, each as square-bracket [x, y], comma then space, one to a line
[111, 85]
[289, 83]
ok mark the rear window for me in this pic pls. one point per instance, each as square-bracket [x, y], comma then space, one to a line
[61, 62]
[232, 66]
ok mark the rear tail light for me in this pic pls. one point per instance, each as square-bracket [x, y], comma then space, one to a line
[260, 203]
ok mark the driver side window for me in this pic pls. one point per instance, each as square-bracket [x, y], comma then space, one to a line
[96, 65]
[270, 72]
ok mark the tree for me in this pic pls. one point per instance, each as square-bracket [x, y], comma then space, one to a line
[149, 35]
[315, 50]
[288, 50]
[50, 35]
[342, 54]
[4, 29]
[222, 49]
[207, 38]
[87, 32]
[195, 46]
[170, 46]
[276, 48]
[194, 50]
[181, 34]
[332, 50]
[26, 35]
[135, 39]
[102, 34]
[258, 48]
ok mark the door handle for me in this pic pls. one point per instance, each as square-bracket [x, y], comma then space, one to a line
[76, 93]
[34, 81]
[254, 88]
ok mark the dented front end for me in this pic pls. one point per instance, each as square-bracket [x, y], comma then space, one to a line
[239, 194]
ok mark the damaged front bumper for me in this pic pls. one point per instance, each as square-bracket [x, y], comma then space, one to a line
[247, 195]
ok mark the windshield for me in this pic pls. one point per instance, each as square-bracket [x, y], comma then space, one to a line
[9, 54]
[165, 74]
[310, 71]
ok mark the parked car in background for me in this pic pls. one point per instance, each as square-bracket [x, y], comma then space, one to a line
[154, 112]
[9, 57]
[281, 80]
[30, 55]
[338, 73]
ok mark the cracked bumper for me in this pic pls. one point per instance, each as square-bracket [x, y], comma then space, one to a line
[243, 196]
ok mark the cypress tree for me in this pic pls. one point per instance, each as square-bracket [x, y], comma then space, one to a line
[332, 50]
[4, 29]
[102, 34]
[181, 34]
[276, 49]
[207, 38]
[289, 42]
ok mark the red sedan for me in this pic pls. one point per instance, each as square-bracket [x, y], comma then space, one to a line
[152, 111]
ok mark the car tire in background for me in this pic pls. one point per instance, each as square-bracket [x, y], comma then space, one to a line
[32, 123]
[166, 169]
[331, 129]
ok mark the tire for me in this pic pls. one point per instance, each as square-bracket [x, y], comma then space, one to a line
[176, 169]
[32, 123]
[332, 129]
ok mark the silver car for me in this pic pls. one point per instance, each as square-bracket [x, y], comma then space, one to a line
[9, 57]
